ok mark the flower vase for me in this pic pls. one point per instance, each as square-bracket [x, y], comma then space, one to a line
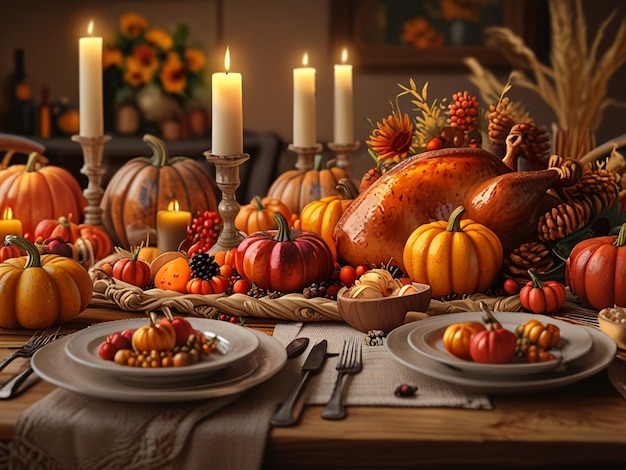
[156, 106]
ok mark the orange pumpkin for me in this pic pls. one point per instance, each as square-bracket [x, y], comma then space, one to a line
[296, 188]
[321, 216]
[225, 257]
[174, 275]
[258, 214]
[45, 193]
[453, 257]
[145, 185]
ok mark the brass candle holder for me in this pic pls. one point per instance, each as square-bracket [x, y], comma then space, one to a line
[342, 154]
[305, 155]
[93, 150]
[227, 179]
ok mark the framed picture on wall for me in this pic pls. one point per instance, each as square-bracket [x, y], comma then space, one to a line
[398, 35]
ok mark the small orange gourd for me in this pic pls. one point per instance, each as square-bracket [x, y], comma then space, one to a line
[174, 275]
[155, 336]
[258, 215]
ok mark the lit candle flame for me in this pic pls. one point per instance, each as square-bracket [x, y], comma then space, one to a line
[227, 59]
[7, 214]
[344, 56]
[305, 59]
[90, 28]
[173, 205]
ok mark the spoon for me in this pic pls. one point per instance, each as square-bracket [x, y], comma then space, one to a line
[296, 347]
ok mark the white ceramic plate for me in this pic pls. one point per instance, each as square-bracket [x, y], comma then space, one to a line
[52, 364]
[82, 348]
[427, 339]
[598, 358]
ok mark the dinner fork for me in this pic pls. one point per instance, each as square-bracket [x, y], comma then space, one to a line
[350, 362]
[39, 338]
[13, 387]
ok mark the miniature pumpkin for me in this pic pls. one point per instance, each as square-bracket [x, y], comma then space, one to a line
[453, 257]
[63, 227]
[159, 336]
[321, 216]
[284, 260]
[456, 338]
[132, 270]
[225, 257]
[296, 188]
[40, 290]
[595, 270]
[218, 284]
[540, 296]
[145, 185]
[10, 251]
[258, 214]
[45, 193]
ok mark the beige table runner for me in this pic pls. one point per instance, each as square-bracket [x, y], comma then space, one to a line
[381, 374]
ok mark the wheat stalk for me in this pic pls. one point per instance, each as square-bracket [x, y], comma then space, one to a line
[575, 83]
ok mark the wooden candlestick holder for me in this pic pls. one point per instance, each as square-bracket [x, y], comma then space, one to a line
[342, 154]
[227, 179]
[305, 155]
[93, 151]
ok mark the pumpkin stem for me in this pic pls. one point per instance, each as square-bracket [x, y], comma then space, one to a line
[317, 162]
[621, 236]
[283, 233]
[33, 258]
[536, 281]
[259, 203]
[30, 164]
[454, 222]
[488, 319]
[159, 150]
[345, 189]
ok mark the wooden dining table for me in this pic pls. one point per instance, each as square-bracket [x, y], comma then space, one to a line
[582, 425]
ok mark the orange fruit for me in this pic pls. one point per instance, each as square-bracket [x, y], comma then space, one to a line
[173, 275]
[68, 122]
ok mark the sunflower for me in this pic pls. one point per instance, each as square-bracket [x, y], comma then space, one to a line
[195, 59]
[141, 66]
[391, 139]
[160, 39]
[111, 56]
[132, 25]
[173, 74]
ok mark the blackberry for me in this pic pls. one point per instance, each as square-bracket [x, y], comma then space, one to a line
[203, 266]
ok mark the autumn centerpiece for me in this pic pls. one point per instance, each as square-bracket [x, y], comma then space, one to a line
[154, 70]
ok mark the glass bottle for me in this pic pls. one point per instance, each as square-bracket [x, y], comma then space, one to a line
[21, 96]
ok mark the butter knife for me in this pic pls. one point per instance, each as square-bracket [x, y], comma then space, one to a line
[286, 416]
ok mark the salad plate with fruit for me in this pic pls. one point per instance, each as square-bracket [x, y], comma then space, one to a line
[161, 352]
[500, 345]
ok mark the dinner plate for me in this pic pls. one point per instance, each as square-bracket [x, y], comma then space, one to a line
[51, 363]
[427, 339]
[236, 343]
[600, 355]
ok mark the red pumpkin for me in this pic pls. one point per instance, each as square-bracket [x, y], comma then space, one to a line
[493, 346]
[143, 186]
[61, 227]
[45, 193]
[595, 270]
[284, 260]
[10, 251]
[132, 270]
[542, 296]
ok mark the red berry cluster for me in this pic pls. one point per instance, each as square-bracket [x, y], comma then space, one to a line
[464, 111]
[204, 231]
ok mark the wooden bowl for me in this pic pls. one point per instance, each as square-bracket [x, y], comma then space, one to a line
[383, 314]
[615, 328]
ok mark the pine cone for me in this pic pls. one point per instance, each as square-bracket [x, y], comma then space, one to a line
[564, 219]
[502, 117]
[599, 184]
[535, 256]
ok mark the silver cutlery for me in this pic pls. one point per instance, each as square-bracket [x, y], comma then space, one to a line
[13, 386]
[39, 338]
[350, 362]
[286, 416]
